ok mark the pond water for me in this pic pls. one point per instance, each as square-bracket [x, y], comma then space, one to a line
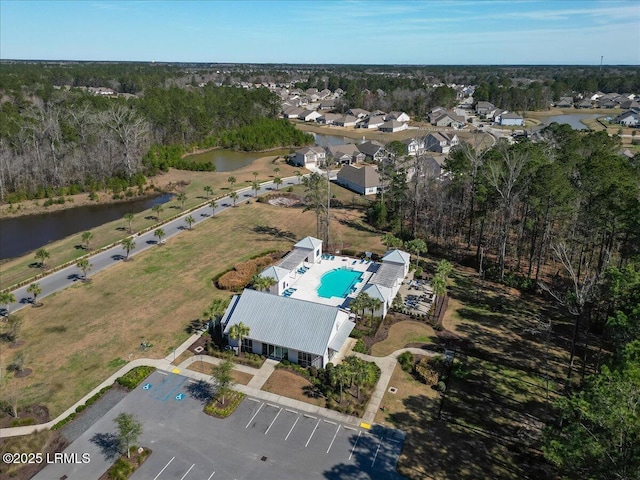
[23, 234]
[572, 119]
[229, 160]
[327, 140]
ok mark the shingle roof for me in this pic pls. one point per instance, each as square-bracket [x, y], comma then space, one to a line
[370, 148]
[287, 322]
[365, 176]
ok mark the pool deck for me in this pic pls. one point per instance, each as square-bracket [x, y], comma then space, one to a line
[307, 284]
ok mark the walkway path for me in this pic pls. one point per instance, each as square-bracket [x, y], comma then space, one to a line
[253, 388]
[66, 277]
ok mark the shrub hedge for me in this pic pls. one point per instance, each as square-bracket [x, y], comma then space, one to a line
[242, 273]
[134, 377]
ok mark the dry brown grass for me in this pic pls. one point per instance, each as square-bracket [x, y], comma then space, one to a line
[290, 385]
[71, 340]
[241, 378]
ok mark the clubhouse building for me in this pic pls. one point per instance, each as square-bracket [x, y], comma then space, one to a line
[305, 316]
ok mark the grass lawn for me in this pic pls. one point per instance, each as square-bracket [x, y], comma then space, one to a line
[402, 333]
[290, 385]
[81, 334]
[61, 251]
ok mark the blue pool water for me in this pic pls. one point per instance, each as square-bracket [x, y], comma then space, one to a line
[338, 283]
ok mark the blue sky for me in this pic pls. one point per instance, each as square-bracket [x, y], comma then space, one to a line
[300, 31]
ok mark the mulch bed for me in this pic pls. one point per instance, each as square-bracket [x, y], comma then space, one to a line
[39, 414]
[133, 461]
[25, 372]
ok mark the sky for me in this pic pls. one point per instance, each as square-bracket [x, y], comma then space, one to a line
[425, 32]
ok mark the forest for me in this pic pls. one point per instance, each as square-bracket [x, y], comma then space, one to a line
[559, 219]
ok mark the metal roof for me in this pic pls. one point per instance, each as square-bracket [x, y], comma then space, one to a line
[310, 243]
[397, 256]
[275, 272]
[286, 322]
[341, 336]
[388, 274]
[293, 259]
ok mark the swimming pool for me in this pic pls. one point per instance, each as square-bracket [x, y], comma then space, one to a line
[338, 283]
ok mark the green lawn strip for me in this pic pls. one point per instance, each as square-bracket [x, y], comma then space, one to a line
[217, 409]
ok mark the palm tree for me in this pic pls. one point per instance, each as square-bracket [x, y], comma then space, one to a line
[238, 332]
[129, 218]
[416, 246]
[261, 283]
[6, 298]
[35, 289]
[391, 241]
[299, 175]
[374, 304]
[277, 181]
[157, 210]
[213, 204]
[255, 176]
[234, 197]
[127, 245]
[159, 233]
[86, 239]
[42, 255]
[181, 198]
[84, 266]
[208, 190]
[232, 182]
[439, 285]
[256, 186]
[362, 302]
[341, 376]
[190, 221]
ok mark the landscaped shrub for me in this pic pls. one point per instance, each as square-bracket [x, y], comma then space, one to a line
[232, 400]
[22, 422]
[242, 273]
[121, 470]
[405, 359]
[441, 386]
[134, 377]
[426, 372]
[360, 347]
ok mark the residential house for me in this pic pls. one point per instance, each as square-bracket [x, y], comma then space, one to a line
[393, 126]
[345, 121]
[399, 116]
[413, 146]
[448, 119]
[310, 157]
[293, 112]
[628, 104]
[328, 104]
[510, 119]
[435, 113]
[564, 102]
[373, 122]
[359, 113]
[345, 154]
[485, 109]
[328, 118]
[629, 119]
[586, 103]
[364, 180]
[309, 115]
[440, 142]
[373, 151]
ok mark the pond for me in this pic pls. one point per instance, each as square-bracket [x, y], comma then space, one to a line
[572, 119]
[21, 235]
[229, 160]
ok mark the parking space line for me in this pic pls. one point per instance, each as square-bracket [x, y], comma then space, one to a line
[334, 438]
[211, 476]
[291, 411]
[162, 373]
[376, 455]
[272, 405]
[184, 476]
[314, 431]
[253, 400]
[306, 415]
[164, 468]
[354, 445]
[329, 421]
[350, 428]
[274, 421]
[254, 415]
[294, 424]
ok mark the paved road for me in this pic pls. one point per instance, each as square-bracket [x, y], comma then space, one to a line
[66, 277]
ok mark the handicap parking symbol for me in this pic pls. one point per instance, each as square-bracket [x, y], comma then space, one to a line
[147, 386]
[180, 396]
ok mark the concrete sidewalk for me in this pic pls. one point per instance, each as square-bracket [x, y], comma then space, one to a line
[260, 376]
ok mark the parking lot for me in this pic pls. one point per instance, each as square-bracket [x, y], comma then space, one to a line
[259, 440]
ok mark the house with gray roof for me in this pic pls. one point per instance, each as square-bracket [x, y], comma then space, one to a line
[510, 119]
[309, 157]
[309, 115]
[447, 119]
[364, 180]
[372, 150]
[345, 154]
[440, 142]
[359, 113]
[372, 122]
[393, 126]
[399, 116]
[345, 121]
[629, 119]
[328, 118]
[485, 108]
[413, 146]
[285, 328]
[564, 102]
